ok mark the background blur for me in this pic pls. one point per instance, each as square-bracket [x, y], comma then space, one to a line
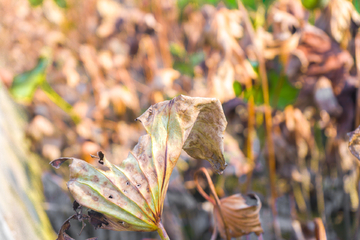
[75, 74]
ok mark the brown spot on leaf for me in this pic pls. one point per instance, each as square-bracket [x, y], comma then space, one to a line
[104, 168]
[130, 167]
[95, 179]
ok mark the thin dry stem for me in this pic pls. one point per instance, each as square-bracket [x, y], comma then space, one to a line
[163, 38]
[249, 140]
[268, 118]
[216, 203]
[357, 58]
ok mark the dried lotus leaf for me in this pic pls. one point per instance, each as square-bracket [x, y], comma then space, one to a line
[241, 215]
[130, 197]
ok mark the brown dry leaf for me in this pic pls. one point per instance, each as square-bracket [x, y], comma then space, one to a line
[325, 98]
[40, 127]
[226, 61]
[163, 81]
[112, 12]
[336, 20]
[293, 143]
[121, 98]
[285, 16]
[193, 26]
[66, 225]
[232, 207]
[236, 157]
[316, 56]
[234, 216]
[130, 197]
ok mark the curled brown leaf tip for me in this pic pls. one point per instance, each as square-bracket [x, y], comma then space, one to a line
[76, 206]
[58, 162]
[97, 220]
[66, 225]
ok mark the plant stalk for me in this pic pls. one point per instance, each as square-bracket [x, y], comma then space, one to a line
[249, 141]
[357, 60]
[59, 101]
[268, 118]
[162, 233]
[215, 202]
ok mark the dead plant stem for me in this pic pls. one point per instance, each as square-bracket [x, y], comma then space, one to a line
[215, 202]
[357, 59]
[268, 118]
[249, 140]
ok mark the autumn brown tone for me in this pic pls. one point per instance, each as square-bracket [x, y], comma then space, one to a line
[235, 215]
[285, 72]
[130, 196]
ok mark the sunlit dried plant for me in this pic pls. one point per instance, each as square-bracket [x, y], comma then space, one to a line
[130, 197]
[234, 216]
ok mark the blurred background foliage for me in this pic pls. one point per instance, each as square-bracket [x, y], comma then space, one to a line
[286, 71]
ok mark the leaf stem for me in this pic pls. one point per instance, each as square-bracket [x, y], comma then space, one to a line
[215, 202]
[162, 233]
[59, 101]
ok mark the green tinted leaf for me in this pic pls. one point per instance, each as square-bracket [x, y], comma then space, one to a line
[312, 4]
[35, 3]
[184, 68]
[281, 90]
[177, 50]
[357, 5]
[24, 85]
[61, 3]
[197, 58]
[237, 88]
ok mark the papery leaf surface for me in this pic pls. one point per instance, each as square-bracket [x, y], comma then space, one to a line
[241, 215]
[130, 197]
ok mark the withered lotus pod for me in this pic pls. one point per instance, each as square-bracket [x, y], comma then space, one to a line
[234, 216]
[130, 197]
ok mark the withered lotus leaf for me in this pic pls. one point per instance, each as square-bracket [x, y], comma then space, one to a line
[234, 216]
[241, 215]
[130, 197]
